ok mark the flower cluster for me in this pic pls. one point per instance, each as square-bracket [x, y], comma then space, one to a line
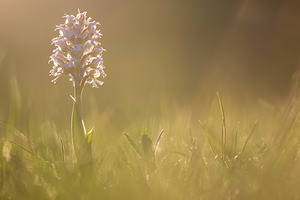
[78, 53]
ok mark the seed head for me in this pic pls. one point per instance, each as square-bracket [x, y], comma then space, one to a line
[78, 52]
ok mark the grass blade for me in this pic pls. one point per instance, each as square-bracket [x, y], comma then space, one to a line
[24, 149]
[210, 141]
[249, 136]
[223, 136]
[136, 148]
[158, 140]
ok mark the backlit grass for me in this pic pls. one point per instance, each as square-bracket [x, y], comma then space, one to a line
[229, 154]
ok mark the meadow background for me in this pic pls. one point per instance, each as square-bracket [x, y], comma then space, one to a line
[165, 61]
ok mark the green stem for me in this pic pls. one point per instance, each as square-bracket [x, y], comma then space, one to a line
[77, 124]
[81, 140]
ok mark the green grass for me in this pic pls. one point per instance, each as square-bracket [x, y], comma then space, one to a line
[174, 157]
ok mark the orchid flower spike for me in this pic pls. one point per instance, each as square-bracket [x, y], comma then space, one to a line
[78, 52]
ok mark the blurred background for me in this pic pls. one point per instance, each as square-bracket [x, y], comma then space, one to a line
[159, 52]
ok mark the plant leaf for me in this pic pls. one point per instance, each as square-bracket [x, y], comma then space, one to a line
[90, 135]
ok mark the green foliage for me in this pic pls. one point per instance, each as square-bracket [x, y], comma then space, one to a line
[147, 151]
[218, 158]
